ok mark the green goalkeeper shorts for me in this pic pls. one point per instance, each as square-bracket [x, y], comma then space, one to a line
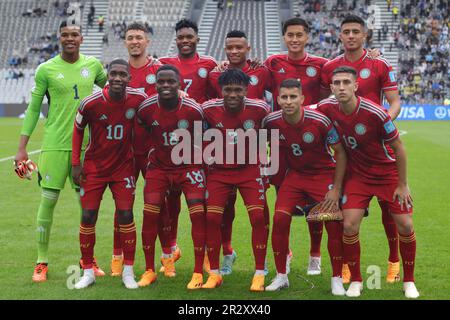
[54, 168]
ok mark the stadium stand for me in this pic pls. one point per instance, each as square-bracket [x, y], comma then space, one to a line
[416, 42]
[160, 15]
[248, 16]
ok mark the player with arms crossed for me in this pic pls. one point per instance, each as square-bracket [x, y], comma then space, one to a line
[376, 78]
[109, 161]
[65, 80]
[305, 136]
[164, 114]
[230, 115]
[376, 167]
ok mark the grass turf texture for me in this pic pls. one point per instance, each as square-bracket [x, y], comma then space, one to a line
[429, 172]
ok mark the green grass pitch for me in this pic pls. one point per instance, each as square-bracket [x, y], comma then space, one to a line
[428, 148]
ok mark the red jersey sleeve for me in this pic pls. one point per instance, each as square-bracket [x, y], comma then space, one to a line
[389, 131]
[78, 133]
[388, 76]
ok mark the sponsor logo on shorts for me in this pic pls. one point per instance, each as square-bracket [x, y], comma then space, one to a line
[202, 73]
[130, 113]
[344, 199]
[360, 129]
[84, 72]
[308, 137]
[151, 79]
[81, 192]
[311, 72]
[183, 124]
[364, 73]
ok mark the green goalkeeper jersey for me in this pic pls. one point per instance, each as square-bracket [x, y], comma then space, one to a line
[65, 85]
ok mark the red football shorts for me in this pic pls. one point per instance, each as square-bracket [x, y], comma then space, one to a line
[190, 180]
[277, 179]
[357, 195]
[123, 191]
[298, 189]
[222, 182]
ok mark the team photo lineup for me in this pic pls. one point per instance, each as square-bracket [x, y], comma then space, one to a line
[199, 133]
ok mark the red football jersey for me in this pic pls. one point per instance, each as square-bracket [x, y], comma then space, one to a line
[163, 123]
[375, 76]
[111, 125]
[143, 79]
[308, 70]
[260, 80]
[194, 74]
[250, 117]
[306, 143]
[366, 133]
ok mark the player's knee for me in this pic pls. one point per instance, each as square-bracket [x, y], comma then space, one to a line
[89, 216]
[281, 221]
[350, 227]
[125, 216]
[405, 227]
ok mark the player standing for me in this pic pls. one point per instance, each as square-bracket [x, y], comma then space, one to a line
[65, 80]
[237, 49]
[376, 167]
[376, 78]
[194, 70]
[163, 114]
[230, 115]
[306, 136]
[298, 64]
[109, 161]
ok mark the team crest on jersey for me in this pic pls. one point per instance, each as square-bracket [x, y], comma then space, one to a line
[202, 73]
[308, 137]
[183, 124]
[254, 80]
[364, 73]
[130, 113]
[311, 72]
[84, 72]
[151, 79]
[249, 124]
[360, 129]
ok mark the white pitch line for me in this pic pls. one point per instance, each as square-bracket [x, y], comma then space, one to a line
[12, 157]
[402, 132]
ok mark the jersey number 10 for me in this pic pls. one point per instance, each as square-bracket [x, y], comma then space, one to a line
[115, 133]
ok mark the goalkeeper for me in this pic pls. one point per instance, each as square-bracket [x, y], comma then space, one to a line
[65, 80]
[306, 136]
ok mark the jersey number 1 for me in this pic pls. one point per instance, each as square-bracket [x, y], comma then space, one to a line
[75, 88]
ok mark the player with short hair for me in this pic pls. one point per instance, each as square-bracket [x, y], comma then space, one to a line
[65, 80]
[376, 78]
[164, 115]
[306, 136]
[194, 69]
[232, 115]
[376, 167]
[298, 64]
[108, 161]
[237, 49]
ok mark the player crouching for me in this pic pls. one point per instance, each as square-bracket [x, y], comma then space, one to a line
[377, 167]
[108, 162]
[305, 138]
